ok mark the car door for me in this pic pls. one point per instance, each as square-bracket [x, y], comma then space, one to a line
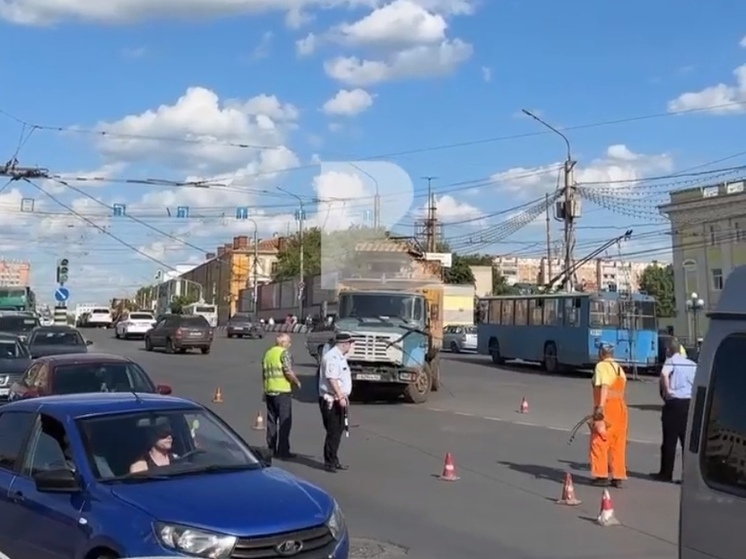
[158, 335]
[14, 431]
[49, 524]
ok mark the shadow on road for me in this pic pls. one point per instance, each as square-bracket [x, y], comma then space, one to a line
[544, 472]
[646, 407]
[304, 460]
[309, 392]
[520, 368]
[582, 466]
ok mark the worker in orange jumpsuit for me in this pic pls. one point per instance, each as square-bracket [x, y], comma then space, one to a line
[609, 424]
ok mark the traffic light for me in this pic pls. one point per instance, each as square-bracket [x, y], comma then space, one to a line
[63, 267]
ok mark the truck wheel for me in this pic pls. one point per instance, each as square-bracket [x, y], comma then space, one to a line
[418, 391]
[435, 374]
[494, 350]
[551, 361]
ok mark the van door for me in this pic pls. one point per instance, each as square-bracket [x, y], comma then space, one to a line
[713, 496]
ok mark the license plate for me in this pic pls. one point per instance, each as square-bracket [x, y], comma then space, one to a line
[196, 334]
[367, 377]
[4, 391]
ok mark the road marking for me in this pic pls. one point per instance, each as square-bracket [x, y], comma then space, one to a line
[526, 423]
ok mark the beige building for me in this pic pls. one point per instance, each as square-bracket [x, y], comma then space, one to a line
[15, 273]
[596, 274]
[708, 234]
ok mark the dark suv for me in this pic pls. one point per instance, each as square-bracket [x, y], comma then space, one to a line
[175, 332]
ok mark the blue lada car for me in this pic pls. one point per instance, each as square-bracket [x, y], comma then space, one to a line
[115, 475]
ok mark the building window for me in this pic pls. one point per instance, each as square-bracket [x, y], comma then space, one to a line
[691, 277]
[714, 237]
[717, 279]
[273, 268]
[737, 235]
[723, 447]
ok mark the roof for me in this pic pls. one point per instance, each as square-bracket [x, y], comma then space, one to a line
[609, 295]
[9, 336]
[102, 403]
[72, 358]
[54, 328]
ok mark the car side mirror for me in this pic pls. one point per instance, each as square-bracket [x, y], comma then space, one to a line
[61, 480]
[163, 389]
[264, 455]
[89, 342]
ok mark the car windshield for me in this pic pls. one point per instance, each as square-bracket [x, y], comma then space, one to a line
[100, 311]
[100, 377]
[57, 337]
[374, 305]
[470, 330]
[141, 316]
[11, 349]
[241, 318]
[18, 323]
[192, 441]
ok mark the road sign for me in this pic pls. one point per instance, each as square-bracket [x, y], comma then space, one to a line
[242, 213]
[119, 210]
[61, 294]
[27, 204]
[182, 212]
[300, 215]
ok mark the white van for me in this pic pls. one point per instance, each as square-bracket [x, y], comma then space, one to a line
[210, 312]
[713, 492]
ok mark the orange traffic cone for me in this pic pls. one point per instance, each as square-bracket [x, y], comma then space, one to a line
[449, 469]
[568, 493]
[259, 423]
[524, 406]
[606, 516]
[217, 398]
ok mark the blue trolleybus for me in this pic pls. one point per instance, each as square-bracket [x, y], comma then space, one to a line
[564, 331]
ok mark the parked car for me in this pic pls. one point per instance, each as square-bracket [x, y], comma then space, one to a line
[460, 338]
[81, 448]
[55, 340]
[134, 324]
[81, 373]
[14, 360]
[242, 325]
[98, 317]
[18, 324]
[179, 333]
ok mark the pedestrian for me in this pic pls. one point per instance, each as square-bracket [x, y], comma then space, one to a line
[279, 378]
[608, 445]
[335, 386]
[676, 382]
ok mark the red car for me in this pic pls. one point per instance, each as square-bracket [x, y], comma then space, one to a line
[83, 372]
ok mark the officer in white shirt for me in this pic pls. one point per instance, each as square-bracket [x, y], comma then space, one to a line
[335, 386]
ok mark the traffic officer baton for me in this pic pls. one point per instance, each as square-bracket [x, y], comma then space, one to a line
[347, 422]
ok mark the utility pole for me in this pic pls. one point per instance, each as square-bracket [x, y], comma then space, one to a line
[300, 217]
[570, 207]
[255, 268]
[16, 173]
[431, 222]
[549, 243]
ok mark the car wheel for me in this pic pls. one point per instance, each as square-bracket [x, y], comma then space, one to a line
[116, 334]
[454, 347]
[205, 350]
[169, 346]
[148, 344]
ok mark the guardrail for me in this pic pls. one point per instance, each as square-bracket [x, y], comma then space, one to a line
[289, 328]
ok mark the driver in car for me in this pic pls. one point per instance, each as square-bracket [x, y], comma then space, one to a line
[159, 453]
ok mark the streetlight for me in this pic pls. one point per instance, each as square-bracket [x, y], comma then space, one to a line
[376, 199]
[694, 305]
[255, 264]
[300, 216]
[569, 194]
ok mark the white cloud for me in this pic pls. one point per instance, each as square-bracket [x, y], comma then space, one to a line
[348, 102]
[486, 74]
[263, 48]
[450, 210]
[742, 43]
[44, 12]
[720, 99]
[340, 194]
[401, 22]
[420, 61]
[197, 127]
[307, 45]
[619, 166]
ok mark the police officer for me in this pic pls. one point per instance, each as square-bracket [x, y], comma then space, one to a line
[279, 378]
[335, 386]
[677, 378]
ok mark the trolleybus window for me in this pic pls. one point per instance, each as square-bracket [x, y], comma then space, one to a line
[507, 313]
[550, 312]
[521, 312]
[535, 309]
[493, 314]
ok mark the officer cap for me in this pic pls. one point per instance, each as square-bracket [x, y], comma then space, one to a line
[342, 337]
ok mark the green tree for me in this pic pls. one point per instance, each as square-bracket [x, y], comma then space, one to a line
[180, 301]
[288, 258]
[500, 285]
[460, 272]
[658, 282]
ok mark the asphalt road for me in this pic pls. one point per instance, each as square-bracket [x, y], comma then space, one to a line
[511, 465]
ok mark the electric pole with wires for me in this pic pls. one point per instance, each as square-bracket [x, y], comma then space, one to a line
[568, 210]
[430, 224]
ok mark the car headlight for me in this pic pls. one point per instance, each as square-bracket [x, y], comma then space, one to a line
[336, 522]
[194, 542]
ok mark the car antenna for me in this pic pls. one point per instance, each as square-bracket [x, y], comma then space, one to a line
[136, 395]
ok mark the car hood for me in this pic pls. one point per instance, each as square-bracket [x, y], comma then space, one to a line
[44, 350]
[14, 366]
[247, 504]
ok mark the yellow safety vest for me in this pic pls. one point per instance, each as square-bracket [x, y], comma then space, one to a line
[274, 379]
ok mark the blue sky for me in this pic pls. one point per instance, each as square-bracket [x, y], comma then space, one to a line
[445, 74]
